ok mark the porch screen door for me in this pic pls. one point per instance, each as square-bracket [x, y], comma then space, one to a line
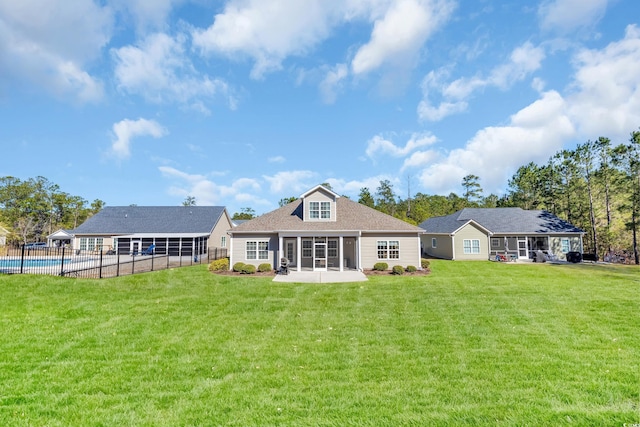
[320, 254]
[522, 248]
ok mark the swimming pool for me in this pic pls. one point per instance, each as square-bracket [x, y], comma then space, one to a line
[32, 262]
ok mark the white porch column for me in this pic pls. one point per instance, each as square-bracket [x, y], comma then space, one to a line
[359, 252]
[340, 253]
[298, 253]
[280, 253]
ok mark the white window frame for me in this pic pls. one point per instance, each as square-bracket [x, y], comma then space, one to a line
[565, 243]
[471, 246]
[495, 243]
[223, 241]
[325, 210]
[314, 210]
[388, 249]
[434, 242]
[257, 249]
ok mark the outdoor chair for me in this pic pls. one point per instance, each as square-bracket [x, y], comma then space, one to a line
[149, 250]
[284, 266]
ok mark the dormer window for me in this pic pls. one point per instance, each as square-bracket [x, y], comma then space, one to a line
[320, 210]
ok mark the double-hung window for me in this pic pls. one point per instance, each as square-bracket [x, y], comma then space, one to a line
[564, 243]
[257, 250]
[471, 246]
[320, 210]
[388, 249]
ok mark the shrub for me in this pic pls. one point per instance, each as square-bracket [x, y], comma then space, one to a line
[248, 269]
[264, 267]
[424, 263]
[397, 269]
[221, 264]
[411, 268]
[380, 266]
[237, 267]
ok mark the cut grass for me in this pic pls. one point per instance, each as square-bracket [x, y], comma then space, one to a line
[475, 343]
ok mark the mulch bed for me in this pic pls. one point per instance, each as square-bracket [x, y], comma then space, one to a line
[423, 272]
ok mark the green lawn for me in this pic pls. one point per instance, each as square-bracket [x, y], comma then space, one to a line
[475, 343]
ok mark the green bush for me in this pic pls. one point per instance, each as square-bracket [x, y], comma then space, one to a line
[264, 267]
[397, 269]
[424, 263]
[248, 269]
[237, 267]
[411, 268]
[221, 264]
[380, 266]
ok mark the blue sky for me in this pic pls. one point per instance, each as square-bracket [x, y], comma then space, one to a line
[243, 102]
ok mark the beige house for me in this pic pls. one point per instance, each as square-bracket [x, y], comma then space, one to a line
[172, 230]
[322, 231]
[4, 233]
[485, 233]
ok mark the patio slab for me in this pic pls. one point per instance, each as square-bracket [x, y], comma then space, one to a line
[321, 277]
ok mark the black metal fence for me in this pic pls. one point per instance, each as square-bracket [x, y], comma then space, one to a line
[96, 264]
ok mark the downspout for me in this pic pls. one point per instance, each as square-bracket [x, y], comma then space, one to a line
[230, 249]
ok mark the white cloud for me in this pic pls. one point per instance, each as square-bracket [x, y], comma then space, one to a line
[209, 193]
[523, 61]
[400, 34]
[266, 30]
[276, 159]
[594, 106]
[605, 95]
[332, 83]
[291, 182]
[378, 144]
[566, 16]
[148, 14]
[270, 31]
[533, 134]
[126, 130]
[48, 44]
[159, 70]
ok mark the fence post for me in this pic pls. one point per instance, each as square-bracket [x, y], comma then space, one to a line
[62, 263]
[22, 261]
[118, 265]
[100, 266]
[152, 260]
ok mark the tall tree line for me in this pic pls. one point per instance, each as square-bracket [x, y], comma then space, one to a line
[596, 187]
[34, 208]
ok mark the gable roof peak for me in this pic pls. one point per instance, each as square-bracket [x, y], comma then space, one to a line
[319, 187]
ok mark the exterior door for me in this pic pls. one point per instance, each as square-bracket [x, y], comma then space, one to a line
[289, 253]
[522, 248]
[320, 254]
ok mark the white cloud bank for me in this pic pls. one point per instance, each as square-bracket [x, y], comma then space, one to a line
[49, 44]
[603, 100]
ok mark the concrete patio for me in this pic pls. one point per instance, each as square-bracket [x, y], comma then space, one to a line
[321, 277]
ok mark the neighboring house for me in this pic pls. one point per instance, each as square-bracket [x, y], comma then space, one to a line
[4, 233]
[482, 233]
[322, 231]
[174, 230]
[60, 239]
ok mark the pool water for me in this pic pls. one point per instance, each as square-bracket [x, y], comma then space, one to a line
[31, 262]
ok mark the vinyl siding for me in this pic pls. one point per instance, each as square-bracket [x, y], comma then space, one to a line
[470, 231]
[238, 252]
[409, 250]
[443, 249]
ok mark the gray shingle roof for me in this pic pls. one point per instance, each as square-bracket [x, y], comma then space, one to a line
[152, 219]
[501, 220]
[350, 216]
